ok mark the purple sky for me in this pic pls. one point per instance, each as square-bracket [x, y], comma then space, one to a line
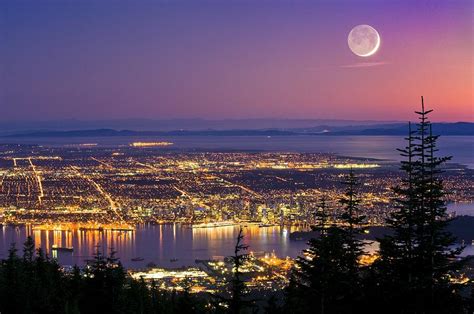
[111, 59]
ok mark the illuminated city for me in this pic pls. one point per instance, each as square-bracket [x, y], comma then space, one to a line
[75, 197]
[236, 157]
[97, 188]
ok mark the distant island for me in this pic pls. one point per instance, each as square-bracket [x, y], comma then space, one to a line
[394, 129]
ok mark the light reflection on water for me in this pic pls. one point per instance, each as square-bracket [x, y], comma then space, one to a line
[159, 244]
[168, 245]
[462, 208]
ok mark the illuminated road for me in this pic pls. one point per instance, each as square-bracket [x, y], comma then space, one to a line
[157, 170]
[147, 166]
[244, 188]
[183, 193]
[102, 163]
[38, 180]
[280, 178]
[112, 203]
[1, 182]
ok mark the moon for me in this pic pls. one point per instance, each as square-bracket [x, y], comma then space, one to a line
[363, 40]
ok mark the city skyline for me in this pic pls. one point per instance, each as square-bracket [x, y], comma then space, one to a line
[236, 156]
[246, 59]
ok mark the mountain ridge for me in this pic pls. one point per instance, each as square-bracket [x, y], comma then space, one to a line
[396, 129]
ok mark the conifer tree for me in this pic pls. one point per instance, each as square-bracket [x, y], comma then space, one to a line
[322, 217]
[28, 250]
[416, 259]
[104, 283]
[237, 302]
[352, 221]
[326, 279]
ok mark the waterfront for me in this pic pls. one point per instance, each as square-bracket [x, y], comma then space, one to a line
[462, 208]
[166, 245]
[61, 188]
[379, 147]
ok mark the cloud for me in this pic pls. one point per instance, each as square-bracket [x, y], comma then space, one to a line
[364, 64]
[348, 66]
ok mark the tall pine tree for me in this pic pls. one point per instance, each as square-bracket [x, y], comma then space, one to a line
[326, 279]
[236, 299]
[416, 259]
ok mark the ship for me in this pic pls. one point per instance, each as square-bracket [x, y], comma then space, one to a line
[123, 229]
[225, 223]
[265, 225]
[62, 249]
[137, 259]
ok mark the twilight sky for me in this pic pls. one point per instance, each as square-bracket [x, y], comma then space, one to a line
[109, 59]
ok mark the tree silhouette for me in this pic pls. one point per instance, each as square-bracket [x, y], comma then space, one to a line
[236, 300]
[326, 279]
[417, 258]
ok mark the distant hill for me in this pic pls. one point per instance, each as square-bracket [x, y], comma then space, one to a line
[396, 129]
[129, 133]
[13, 127]
[458, 128]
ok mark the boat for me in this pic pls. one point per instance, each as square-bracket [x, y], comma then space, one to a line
[263, 225]
[137, 259]
[62, 249]
[91, 229]
[173, 260]
[123, 229]
[226, 223]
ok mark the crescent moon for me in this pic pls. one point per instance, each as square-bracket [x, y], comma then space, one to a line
[363, 40]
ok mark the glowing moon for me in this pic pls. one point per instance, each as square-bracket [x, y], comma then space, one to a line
[363, 40]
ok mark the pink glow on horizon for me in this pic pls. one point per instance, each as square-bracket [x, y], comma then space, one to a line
[240, 60]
